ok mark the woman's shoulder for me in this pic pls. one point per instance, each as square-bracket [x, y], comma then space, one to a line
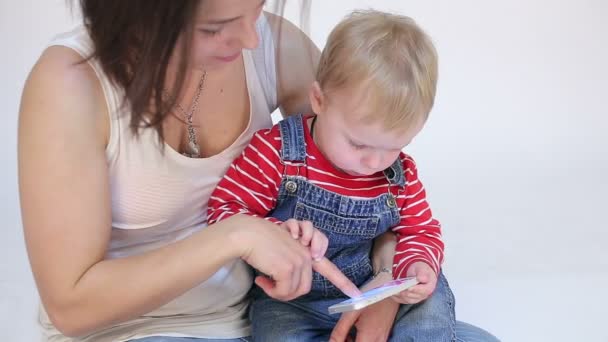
[67, 87]
[60, 59]
[64, 63]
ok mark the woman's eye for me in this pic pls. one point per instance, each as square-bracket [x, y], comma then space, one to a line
[210, 32]
[357, 147]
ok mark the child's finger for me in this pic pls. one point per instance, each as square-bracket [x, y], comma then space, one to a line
[417, 289]
[406, 297]
[399, 298]
[423, 277]
[318, 245]
[415, 297]
[415, 294]
[293, 227]
[421, 290]
[307, 232]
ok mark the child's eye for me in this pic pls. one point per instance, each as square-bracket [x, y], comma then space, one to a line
[357, 146]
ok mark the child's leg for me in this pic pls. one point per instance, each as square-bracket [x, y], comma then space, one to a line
[432, 320]
[294, 321]
[469, 333]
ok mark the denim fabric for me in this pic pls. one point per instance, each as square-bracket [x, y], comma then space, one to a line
[469, 333]
[350, 224]
[306, 319]
[431, 320]
[188, 339]
[464, 333]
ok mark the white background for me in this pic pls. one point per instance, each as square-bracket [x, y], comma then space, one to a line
[514, 157]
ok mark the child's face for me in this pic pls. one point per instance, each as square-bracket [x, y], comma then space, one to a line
[351, 144]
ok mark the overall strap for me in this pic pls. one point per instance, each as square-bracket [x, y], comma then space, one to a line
[394, 173]
[293, 147]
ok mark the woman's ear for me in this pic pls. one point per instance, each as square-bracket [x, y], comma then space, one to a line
[317, 99]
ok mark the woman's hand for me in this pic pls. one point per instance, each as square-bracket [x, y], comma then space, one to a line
[373, 323]
[284, 259]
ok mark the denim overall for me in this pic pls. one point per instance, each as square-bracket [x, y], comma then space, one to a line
[349, 223]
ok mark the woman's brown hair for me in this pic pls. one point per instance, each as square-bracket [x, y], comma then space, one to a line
[134, 40]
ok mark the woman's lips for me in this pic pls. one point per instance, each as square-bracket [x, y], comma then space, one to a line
[229, 58]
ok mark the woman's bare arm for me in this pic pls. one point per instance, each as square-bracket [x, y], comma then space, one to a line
[383, 252]
[297, 60]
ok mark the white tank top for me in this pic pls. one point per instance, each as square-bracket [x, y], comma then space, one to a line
[160, 198]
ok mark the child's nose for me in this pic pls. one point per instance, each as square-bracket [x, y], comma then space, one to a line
[373, 161]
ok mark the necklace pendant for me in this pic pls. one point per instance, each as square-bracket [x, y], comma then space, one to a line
[194, 149]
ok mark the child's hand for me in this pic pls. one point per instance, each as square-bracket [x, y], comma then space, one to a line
[308, 236]
[427, 282]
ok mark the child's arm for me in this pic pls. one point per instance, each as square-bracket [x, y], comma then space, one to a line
[251, 184]
[419, 250]
[418, 233]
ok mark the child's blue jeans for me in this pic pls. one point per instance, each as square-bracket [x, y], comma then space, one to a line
[307, 319]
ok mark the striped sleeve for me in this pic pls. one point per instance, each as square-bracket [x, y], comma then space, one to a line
[251, 184]
[418, 233]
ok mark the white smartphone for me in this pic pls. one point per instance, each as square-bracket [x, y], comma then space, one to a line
[373, 296]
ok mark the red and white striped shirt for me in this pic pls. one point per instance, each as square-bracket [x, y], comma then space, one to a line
[252, 182]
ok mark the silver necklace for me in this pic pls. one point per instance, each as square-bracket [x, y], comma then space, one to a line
[193, 149]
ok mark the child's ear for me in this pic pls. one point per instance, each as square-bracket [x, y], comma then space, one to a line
[317, 100]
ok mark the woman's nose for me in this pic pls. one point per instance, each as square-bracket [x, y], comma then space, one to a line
[249, 36]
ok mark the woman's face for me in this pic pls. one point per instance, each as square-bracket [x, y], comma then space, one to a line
[222, 29]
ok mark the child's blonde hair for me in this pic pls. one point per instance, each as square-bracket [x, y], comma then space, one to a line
[391, 57]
